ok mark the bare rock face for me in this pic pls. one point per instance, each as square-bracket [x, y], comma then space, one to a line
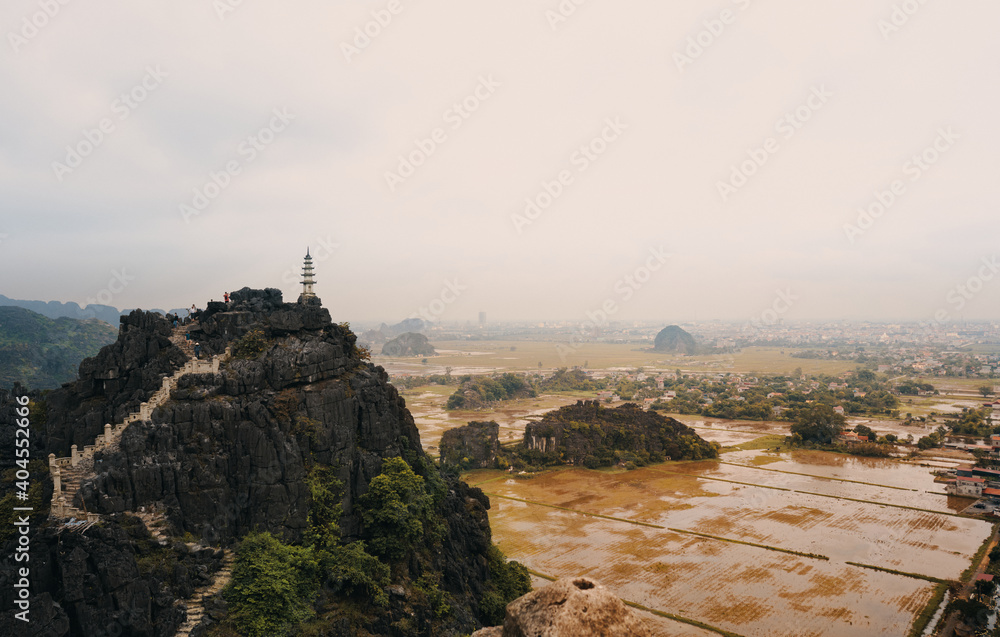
[576, 607]
[474, 446]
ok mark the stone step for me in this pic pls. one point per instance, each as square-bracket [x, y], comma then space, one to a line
[72, 478]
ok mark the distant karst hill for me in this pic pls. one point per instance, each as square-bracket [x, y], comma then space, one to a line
[43, 353]
[55, 310]
[388, 332]
[675, 340]
[409, 344]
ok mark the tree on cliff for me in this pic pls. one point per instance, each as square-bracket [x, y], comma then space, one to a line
[396, 509]
[273, 586]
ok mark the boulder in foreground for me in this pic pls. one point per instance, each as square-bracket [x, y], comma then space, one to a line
[578, 606]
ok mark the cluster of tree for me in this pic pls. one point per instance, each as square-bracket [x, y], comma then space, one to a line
[865, 394]
[279, 588]
[565, 379]
[975, 422]
[913, 388]
[821, 425]
[933, 439]
[818, 424]
[476, 392]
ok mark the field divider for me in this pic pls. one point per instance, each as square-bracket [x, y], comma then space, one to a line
[746, 484]
[660, 613]
[593, 515]
[822, 495]
[885, 504]
[490, 480]
[809, 475]
[936, 580]
[815, 556]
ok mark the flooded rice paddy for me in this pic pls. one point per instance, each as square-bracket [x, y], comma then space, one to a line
[757, 550]
[757, 543]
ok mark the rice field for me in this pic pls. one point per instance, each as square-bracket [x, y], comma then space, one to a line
[757, 543]
[775, 549]
[478, 357]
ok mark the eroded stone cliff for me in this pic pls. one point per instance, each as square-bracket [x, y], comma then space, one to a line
[230, 453]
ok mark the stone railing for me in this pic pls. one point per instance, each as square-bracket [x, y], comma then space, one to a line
[79, 465]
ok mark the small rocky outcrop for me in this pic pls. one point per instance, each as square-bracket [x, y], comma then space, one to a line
[674, 339]
[472, 446]
[578, 606]
[592, 435]
[409, 344]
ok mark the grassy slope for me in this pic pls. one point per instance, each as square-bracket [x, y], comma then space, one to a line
[44, 353]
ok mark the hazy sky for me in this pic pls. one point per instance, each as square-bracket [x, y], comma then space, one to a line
[626, 120]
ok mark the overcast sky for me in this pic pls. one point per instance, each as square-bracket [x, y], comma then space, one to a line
[690, 168]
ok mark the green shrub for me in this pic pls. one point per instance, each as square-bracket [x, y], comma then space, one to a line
[325, 509]
[273, 586]
[250, 345]
[395, 509]
[508, 581]
[353, 571]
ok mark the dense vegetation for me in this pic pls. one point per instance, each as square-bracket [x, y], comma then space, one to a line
[43, 353]
[279, 588]
[780, 397]
[564, 379]
[476, 392]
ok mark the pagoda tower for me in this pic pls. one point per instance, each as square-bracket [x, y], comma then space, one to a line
[307, 278]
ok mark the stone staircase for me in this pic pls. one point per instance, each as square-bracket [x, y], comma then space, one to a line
[70, 472]
[195, 605]
[179, 338]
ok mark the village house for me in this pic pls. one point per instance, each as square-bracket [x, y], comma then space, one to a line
[967, 486]
[839, 409]
[851, 438]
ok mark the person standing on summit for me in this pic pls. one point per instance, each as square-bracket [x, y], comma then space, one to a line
[225, 297]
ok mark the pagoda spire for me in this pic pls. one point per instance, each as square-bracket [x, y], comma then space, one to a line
[307, 278]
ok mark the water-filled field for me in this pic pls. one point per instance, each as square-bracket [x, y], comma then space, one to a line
[782, 547]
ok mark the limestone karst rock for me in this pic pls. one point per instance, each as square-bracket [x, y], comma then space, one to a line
[409, 344]
[674, 339]
[228, 453]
